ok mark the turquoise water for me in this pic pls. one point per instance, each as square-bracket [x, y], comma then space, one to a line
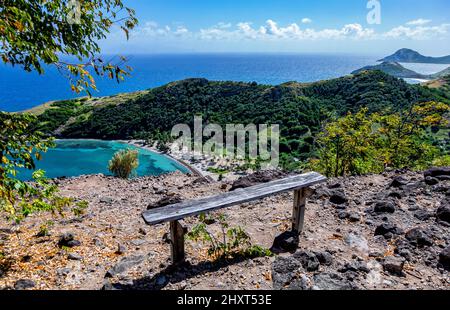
[72, 158]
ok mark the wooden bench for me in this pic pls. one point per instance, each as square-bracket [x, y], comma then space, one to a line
[173, 213]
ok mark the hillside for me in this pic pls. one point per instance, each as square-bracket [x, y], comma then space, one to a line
[298, 108]
[411, 56]
[394, 69]
[440, 88]
[441, 74]
[397, 70]
[389, 231]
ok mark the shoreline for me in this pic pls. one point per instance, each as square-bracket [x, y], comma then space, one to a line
[198, 168]
[197, 171]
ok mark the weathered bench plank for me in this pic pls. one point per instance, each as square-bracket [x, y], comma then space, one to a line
[177, 232]
[196, 207]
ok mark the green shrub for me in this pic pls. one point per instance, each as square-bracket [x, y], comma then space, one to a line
[80, 208]
[233, 242]
[124, 163]
[442, 161]
[367, 143]
[44, 229]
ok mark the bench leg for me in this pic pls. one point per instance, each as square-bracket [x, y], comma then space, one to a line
[298, 214]
[177, 232]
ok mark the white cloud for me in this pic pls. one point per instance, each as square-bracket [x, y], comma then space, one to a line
[223, 25]
[418, 22]
[306, 20]
[293, 31]
[151, 28]
[271, 30]
[181, 31]
[248, 32]
[418, 33]
[220, 31]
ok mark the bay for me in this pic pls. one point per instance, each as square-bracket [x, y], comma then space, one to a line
[71, 158]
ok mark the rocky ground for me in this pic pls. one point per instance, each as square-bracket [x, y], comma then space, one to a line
[388, 231]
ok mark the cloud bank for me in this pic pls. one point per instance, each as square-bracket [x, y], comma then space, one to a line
[419, 29]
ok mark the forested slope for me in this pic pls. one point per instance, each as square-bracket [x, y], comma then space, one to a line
[298, 108]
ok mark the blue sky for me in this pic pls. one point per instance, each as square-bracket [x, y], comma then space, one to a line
[177, 26]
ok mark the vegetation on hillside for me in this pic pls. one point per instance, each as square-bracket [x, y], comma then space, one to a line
[440, 88]
[397, 70]
[361, 143]
[394, 69]
[299, 109]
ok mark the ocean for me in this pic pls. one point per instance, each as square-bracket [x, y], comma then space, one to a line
[20, 90]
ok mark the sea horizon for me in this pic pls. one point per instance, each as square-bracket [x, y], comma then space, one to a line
[158, 69]
[154, 70]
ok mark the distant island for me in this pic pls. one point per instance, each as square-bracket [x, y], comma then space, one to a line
[392, 65]
[397, 70]
[410, 56]
[394, 69]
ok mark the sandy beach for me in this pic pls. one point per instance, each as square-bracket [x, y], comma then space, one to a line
[198, 164]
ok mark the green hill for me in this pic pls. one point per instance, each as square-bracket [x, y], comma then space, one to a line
[394, 69]
[441, 74]
[300, 109]
[411, 56]
[397, 70]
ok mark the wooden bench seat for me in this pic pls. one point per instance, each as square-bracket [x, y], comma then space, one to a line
[173, 213]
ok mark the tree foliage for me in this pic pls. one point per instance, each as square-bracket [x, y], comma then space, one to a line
[368, 143]
[403, 136]
[34, 33]
[347, 145]
[20, 146]
[124, 163]
[299, 109]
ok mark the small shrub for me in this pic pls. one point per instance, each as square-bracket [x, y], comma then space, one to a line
[124, 163]
[220, 172]
[257, 251]
[44, 229]
[66, 249]
[80, 208]
[442, 161]
[233, 242]
[163, 147]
